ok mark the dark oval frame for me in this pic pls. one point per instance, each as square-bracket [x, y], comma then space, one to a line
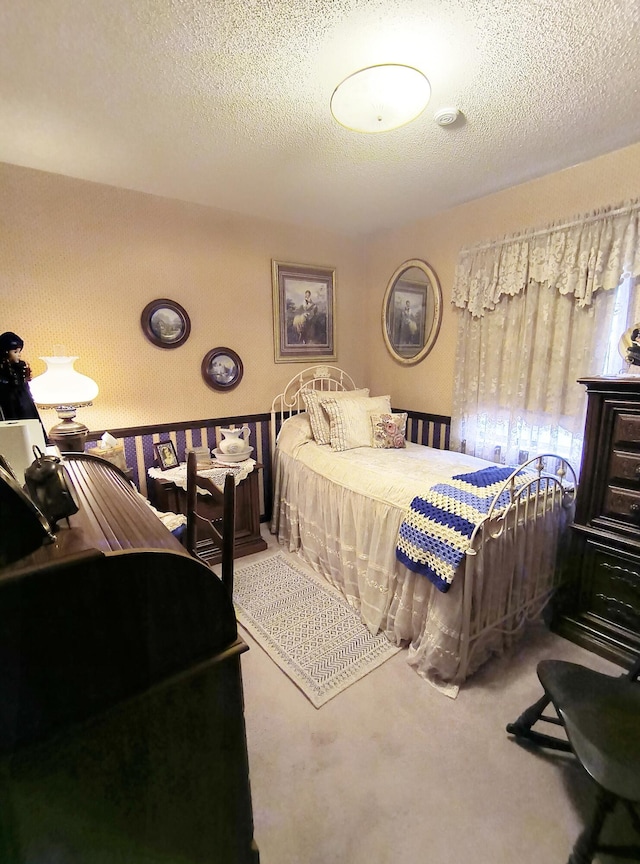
[218, 381]
[146, 321]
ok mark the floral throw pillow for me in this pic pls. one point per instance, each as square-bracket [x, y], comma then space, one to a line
[389, 430]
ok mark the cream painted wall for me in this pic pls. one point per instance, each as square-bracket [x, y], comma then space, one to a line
[79, 261]
[428, 386]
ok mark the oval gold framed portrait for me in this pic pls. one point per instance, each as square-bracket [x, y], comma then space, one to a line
[411, 312]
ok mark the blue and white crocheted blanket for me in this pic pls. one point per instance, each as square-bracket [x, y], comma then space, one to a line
[437, 528]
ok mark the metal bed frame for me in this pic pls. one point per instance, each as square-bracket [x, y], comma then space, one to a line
[488, 605]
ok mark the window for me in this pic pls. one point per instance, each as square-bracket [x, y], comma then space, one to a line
[536, 314]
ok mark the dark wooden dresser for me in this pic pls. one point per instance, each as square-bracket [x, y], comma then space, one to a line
[122, 735]
[599, 606]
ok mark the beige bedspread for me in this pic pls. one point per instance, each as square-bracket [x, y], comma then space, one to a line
[341, 511]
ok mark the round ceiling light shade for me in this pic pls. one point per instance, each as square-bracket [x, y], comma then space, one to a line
[380, 98]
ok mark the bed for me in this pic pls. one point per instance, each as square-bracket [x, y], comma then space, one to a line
[352, 509]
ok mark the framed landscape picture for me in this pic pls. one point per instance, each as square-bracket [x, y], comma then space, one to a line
[165, 323]
[222, 369]
[303, 312]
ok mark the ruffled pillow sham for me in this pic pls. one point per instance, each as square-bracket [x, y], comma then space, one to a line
[319, 420]
[350, 420]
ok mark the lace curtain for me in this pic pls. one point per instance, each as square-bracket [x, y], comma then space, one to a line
[537, 312]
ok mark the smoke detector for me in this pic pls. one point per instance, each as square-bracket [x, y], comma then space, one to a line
[446, 116]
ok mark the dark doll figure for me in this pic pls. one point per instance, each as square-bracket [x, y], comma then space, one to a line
[633, 351]
[16, 402]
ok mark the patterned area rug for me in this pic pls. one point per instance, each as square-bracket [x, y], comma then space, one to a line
[308, 629]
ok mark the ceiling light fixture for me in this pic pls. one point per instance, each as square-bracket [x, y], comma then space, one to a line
[380, 98]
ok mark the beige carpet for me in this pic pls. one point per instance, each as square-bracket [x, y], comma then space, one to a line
[306, 627]
[393, 771]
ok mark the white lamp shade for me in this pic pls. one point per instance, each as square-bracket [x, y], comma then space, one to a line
[61, 385]
[380, 98]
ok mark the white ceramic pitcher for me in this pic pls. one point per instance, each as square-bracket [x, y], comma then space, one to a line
[234, 440]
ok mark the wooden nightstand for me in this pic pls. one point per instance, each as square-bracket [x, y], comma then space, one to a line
[165, 495]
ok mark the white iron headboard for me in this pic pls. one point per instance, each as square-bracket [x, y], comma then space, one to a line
[290, 402]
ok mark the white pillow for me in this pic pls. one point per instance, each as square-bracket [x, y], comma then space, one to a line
[295, 430]
[319, 420]
[350, 420]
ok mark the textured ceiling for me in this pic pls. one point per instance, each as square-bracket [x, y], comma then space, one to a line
[226, 102]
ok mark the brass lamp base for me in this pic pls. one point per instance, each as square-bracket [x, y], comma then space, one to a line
[70, 435]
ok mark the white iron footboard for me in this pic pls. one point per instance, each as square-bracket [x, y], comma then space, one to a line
[519, 543]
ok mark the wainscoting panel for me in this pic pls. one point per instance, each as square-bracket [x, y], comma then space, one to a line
[139, 452]
[430, 429]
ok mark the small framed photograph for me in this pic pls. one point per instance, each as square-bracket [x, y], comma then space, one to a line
[222, 369]
[166, 455]
[165, 323]
[303, 312]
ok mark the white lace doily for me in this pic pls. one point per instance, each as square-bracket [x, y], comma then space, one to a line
[216, 474]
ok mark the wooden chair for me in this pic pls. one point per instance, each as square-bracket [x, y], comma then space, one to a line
[601, 717]
[219, 532]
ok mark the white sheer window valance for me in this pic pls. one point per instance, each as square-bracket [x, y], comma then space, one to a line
[577, 258]
[537, 312]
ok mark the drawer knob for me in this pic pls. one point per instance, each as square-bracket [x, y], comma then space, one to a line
[637, 472]
[634, 509]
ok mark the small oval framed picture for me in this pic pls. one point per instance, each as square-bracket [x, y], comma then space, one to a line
[165, 323]
[222, 369]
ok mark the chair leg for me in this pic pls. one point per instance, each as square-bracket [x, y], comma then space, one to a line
[587, 843]
[628, 852]
[521, 728]
[633, 815]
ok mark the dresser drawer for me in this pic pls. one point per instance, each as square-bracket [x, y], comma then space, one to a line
[598, 603]
[625, 466]
[626, 429]
[622, 503]
[612, 587]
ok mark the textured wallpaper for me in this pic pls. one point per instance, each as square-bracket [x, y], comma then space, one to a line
[79, 261]
[605, 181]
